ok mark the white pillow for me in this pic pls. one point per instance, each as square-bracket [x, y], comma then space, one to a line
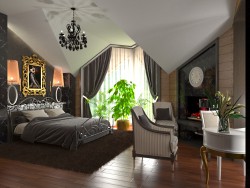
[20, 127]
[54, 112]
[31, 114]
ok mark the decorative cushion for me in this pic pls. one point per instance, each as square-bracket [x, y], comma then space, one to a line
[54, 112]
[31, 114]
[20, 127]
[144, 120]
[162, 114]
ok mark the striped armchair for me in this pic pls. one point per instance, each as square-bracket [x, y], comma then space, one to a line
[152, 140]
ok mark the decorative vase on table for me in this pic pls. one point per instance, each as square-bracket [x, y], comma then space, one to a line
[224, 125]
[225, 109]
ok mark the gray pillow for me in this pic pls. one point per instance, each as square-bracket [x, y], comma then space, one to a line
[144, 121]
[31, 114]
[54, 112]
[162, 114]
[21, 119]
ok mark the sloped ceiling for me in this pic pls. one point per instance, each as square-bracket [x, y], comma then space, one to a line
[170, 31]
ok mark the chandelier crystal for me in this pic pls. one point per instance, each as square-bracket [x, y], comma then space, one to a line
[74, 41]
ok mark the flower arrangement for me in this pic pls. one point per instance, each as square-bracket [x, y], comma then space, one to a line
[225, 109]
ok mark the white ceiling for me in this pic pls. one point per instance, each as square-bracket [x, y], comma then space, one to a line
[170, 31]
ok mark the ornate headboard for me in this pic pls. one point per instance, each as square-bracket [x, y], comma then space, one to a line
[31, 103]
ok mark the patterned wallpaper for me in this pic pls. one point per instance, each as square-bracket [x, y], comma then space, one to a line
[18, 48]
[3, 78]
[3, 61]
[13, 47]
[68, 93]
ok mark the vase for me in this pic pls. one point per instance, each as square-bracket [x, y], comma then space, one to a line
[123, 124]
[224, 125]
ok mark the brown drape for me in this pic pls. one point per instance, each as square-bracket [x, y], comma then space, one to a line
[93, 76]
[153, 72]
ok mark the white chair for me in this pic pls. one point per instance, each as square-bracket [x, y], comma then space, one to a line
[163, 115]
[211, 119]
[152, 140]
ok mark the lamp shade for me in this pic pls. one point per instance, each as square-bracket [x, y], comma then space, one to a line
[58, 77]
[13, 72]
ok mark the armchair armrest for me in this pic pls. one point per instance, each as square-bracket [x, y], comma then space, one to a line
[153, 124]
[162, 129]
[164, 126]
[153, 127]
[158, 142]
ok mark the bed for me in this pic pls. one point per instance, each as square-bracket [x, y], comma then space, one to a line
[44, 121]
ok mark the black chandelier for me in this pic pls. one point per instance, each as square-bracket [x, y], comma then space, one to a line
[73, 41]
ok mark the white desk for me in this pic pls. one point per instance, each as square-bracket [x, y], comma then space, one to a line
[228, 145]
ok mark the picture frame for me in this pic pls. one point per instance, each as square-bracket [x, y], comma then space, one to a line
[34, 76]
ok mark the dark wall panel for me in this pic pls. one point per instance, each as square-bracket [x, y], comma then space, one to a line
[68, 93]
[18, 48]
[3, 78]
[3, 60]
[206, 60]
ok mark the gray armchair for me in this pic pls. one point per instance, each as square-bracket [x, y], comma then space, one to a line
[163, 115]
[152, 140]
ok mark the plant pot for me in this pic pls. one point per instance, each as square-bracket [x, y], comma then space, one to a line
[123, 124]
[224, 125]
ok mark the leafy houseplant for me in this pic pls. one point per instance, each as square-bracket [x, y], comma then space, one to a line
[122, 96]
[225, 109]
[100, 104]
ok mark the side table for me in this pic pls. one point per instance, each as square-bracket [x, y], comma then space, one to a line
[228, 145]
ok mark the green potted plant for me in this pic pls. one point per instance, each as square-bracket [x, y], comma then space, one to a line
[100, 105]
[225, 109]
[122, 97]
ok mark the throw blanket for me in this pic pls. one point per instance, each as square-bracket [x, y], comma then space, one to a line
[64, 130]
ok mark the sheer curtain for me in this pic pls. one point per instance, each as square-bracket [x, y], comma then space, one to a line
[128, 64]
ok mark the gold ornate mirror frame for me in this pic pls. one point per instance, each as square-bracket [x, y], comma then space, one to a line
[34, 75]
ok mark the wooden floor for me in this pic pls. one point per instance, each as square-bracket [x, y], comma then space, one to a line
[120, 172]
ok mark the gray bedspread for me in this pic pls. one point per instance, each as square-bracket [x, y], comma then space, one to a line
[64, 130]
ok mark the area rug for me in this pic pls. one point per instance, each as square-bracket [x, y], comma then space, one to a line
[88, 158]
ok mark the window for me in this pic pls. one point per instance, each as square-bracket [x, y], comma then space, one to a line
[125, 64]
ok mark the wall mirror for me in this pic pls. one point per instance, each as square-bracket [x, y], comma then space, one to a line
[12, 95]
[34, 75]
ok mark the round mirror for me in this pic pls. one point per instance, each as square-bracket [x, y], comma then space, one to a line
[12, 95]
[58, 94]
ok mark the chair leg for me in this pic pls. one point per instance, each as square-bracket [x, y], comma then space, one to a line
[172, 166]
[244, 167]
[219, 167]
[173, 160]
[133, 153]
